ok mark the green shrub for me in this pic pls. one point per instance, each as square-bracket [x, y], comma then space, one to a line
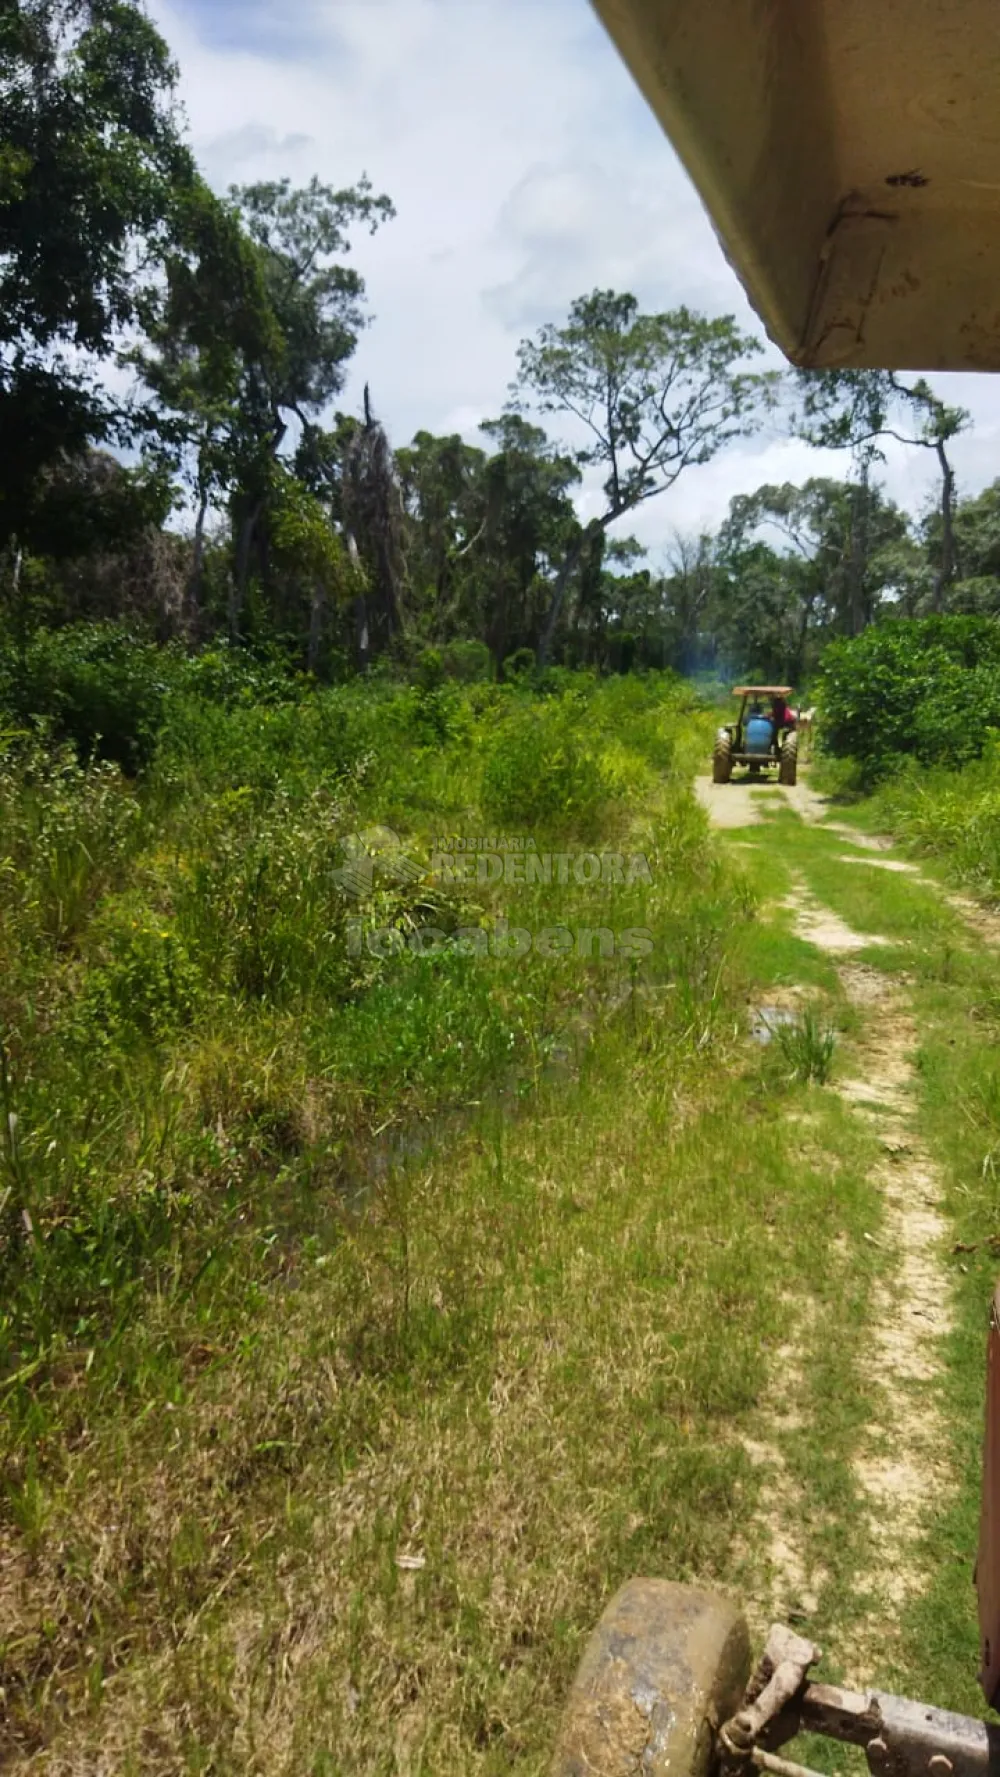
[99, 686]
[146, 984]
[468, 662]
[807, 1048]
[519, 664]
[543, 768]
[430, 669]
[65, 831]
[925, 688]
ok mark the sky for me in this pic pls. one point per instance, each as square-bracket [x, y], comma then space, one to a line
[526, 170]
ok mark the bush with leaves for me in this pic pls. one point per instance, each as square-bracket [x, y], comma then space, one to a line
[98, 685]
[924, 688]
[468, 662]
[543, 770]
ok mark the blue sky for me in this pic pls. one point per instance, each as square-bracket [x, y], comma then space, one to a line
[525, 169]
[289, 32]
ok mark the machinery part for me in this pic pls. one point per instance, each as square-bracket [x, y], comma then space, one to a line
[789, 768]
[722, 757]
[758, 737]
[849, 158]
[778, 1679]
[900, 1738]
[666, 1664]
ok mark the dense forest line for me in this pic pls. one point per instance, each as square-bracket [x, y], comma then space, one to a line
[172, 455]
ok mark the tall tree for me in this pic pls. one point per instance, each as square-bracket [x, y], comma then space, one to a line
[446, 499]
[486, 532]
[208, 319]
[838, 564]
[854, 409]
[655, 393]
[532, 525]
[373, 521]
[318, 305]
[91, 163]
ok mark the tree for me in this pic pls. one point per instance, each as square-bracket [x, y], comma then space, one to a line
[94, 529]
[90, 166]
[373, 519]
[317, 304]
[210, 318]
[757, 613]
[484, 532]
[977, 526]
[838, 566]
[446, 501]
[531, 526]
[656, 393]
[687, 591]
[853, 409]
[305, 543]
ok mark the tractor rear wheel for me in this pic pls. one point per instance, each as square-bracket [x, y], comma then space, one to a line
[666, 1665]
[722, 757]
[788, 769]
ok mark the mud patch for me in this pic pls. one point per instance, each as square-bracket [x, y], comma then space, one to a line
[766, 1021]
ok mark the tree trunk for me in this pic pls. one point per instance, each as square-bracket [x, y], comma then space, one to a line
[857, 614]
[238, 582]
[571, 561]
[317, 619]
[19, 614]
[946, 572]
[497, 628]
[362, 638]
[197, 563]
[808, 606]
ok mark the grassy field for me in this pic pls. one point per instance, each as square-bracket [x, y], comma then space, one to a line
[379, 1290]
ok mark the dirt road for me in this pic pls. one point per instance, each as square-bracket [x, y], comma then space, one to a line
[742, 802]
[900, 1472]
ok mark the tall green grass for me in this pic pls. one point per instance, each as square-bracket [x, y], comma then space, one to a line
[216, 1096]
[195, 1027]
[954, 815]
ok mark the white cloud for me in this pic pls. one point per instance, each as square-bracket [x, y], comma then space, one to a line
[526, 170]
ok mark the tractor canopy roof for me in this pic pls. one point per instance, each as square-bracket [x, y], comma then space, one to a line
[762, 690]
[848, 154]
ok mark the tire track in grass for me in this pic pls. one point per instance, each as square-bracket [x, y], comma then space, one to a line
[791, 1584]
[902, 1467]
[900, 1471]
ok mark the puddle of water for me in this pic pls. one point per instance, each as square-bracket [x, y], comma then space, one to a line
[765, 1020]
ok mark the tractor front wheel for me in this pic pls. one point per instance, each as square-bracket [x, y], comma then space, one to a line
[722, 757]
[665, 1665]
[788, 769]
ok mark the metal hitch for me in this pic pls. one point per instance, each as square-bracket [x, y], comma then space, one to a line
[900, 1738]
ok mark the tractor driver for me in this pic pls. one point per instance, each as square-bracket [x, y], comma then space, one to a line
[782, 716]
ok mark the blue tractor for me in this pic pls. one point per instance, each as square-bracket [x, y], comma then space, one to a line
[763, 736]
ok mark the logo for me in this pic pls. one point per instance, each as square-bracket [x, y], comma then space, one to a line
[374, 856]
